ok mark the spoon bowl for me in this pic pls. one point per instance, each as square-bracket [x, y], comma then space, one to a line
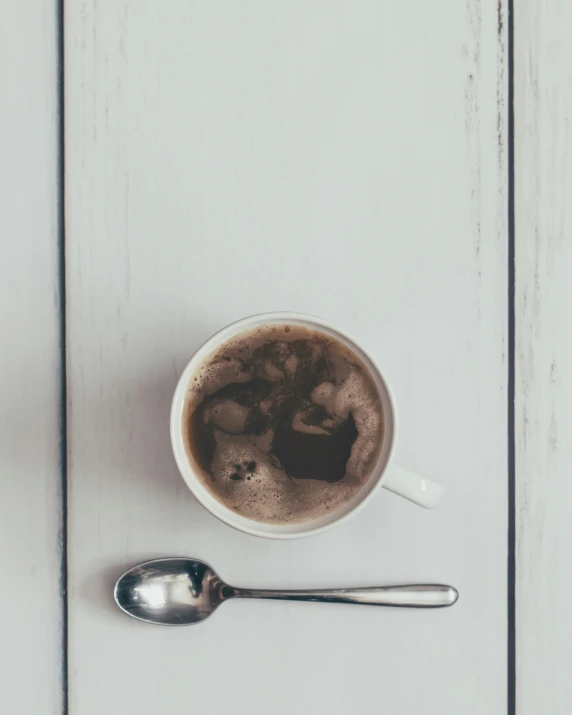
[170, 592]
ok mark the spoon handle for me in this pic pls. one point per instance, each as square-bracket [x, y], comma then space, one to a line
[414, 596]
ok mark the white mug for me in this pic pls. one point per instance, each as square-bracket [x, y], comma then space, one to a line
[386, 474]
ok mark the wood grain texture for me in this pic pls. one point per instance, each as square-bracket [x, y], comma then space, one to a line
[543, 141]
[229, 158]
[30, 505]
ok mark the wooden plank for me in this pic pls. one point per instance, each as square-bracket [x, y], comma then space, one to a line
[228, 158]
[30, 500]
[543, 170]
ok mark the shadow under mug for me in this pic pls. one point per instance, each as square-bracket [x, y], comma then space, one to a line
[386, 474]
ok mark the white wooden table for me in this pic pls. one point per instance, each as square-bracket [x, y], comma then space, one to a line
[401, 169]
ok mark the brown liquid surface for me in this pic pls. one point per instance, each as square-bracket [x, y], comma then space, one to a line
[283, 424]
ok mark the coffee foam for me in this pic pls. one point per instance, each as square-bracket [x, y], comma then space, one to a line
[252, 483]
[243, 472]
[354, 396]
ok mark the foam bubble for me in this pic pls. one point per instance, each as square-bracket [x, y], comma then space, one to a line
[228, 415]
[218, 374]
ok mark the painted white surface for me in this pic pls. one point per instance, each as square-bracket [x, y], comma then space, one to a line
[543, 113]
[230, 158]
[30, 632]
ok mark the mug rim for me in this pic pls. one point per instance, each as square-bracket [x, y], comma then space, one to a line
[217, 508]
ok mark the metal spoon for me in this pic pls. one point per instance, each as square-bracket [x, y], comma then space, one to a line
[179, 591]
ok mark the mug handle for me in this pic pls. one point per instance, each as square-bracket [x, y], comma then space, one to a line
[413, 487]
